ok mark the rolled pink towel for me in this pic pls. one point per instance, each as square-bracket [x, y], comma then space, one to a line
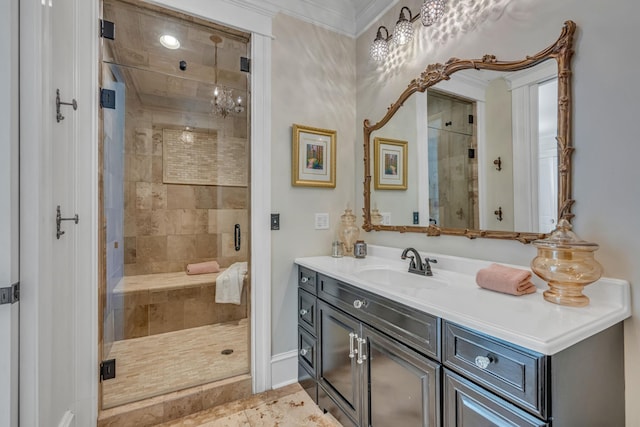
[504, 279]
[203, 267]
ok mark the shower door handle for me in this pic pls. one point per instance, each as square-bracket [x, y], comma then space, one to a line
[236, 237]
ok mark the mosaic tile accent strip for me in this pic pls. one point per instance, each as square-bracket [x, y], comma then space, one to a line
[199, 158]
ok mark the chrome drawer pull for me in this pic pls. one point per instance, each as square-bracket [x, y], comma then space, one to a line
[304, 279]
[304, 351]
[360, 303]
[352, 350]
[361, 354]
[303, 311]
[483, 362]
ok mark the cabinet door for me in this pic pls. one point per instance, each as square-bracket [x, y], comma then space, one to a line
[468, 405]
[338, 373]
[402, 387]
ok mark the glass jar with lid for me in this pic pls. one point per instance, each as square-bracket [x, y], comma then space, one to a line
[567, 264]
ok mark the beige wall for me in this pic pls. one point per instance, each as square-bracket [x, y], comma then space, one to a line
[605, 136]
[313, 84]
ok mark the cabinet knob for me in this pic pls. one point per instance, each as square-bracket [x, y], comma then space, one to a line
[359, 303]
[483, 362]
[303, 311]
[304, 351]
[304, 279]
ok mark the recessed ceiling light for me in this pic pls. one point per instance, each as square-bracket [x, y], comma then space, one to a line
[169, 42]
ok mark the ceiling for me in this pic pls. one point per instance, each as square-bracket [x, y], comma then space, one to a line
[350, 17]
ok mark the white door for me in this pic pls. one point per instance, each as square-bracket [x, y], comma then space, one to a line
[58, 372]
[9, 311]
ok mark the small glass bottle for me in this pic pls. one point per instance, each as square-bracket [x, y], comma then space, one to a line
[348, 232]
[336, 249]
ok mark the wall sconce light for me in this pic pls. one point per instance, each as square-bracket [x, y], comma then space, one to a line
[380, 47]
[403, 32]
[431, 11]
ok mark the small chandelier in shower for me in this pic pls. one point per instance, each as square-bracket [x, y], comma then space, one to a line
[223, 102]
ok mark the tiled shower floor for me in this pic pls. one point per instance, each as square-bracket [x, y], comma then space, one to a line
[158, 364]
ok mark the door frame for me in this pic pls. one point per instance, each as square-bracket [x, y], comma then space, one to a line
[36, 104]
[9, 212]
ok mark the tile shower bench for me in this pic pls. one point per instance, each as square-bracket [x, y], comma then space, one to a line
[151, 304]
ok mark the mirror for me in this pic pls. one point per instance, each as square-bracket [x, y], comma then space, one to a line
[476, 147]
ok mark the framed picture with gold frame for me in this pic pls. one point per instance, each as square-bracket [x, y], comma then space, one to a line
[313, 157]
[390, 164]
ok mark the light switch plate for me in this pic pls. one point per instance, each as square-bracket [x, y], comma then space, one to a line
[386, 218]
[322, 221]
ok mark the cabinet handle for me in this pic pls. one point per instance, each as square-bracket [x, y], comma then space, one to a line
[303, 311]
[304, 351]
[352, 350]
[304, 279]
[483, 362]
[359, 303]
[361, 354]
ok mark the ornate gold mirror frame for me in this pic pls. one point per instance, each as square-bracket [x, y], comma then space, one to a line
[562, 52]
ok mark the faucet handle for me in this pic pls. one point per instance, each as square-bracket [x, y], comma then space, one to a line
[429, 260]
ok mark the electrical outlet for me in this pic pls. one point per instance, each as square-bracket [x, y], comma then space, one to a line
[416, 218]
[322, 221]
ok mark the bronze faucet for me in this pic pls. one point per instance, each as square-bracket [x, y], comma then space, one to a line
[416, 264]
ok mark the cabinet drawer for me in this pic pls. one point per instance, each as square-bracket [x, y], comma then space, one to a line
[307, 351]
[510, 371]
[468, 405]
[412, 327]
[307, 280]
[307, 311]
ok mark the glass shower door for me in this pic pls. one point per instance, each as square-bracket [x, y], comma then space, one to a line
[175, 195]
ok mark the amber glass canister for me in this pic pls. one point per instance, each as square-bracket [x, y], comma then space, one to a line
[567, 264]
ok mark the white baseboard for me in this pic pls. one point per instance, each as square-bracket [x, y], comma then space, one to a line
[284, 369]
[66, 420]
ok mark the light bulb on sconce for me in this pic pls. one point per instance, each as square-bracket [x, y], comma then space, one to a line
[403, 32]
[432, 11]
[380, 48]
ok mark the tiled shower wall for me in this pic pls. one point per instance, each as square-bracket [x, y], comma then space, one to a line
[168, 226]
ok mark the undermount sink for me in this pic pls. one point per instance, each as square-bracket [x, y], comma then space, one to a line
[394, 278]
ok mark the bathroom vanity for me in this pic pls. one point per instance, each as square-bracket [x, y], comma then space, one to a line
[379, 346]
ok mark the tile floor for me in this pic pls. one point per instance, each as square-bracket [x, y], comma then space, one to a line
[158, 364]
[288, 406]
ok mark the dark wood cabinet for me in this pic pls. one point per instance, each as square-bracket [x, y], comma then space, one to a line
[374, 362]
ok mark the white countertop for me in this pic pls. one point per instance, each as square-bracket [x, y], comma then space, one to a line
[528, 321]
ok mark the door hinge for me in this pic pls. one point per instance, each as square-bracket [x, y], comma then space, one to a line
[10, 294]
[108, 98]
[108, 369]
[245, 64]
[107, 30]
